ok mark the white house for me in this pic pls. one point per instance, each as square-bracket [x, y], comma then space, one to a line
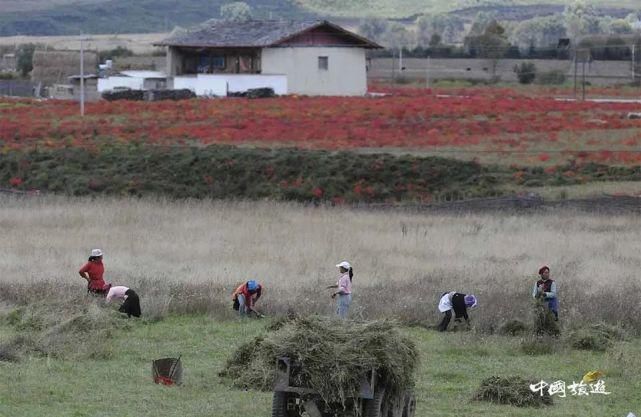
[133, 80]
[312, 58]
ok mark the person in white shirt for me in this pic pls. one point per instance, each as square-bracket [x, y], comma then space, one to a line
[131, 301]
[457, 302]
[344, 289]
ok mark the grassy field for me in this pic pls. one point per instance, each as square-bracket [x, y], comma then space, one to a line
[452, 368]
[185, 257]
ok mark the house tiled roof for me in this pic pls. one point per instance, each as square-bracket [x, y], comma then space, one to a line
[252, 33]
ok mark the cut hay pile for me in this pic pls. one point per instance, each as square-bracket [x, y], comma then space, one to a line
[597, 337]
[544, 320]
[332, 357]
[79, 327]
[513, 390]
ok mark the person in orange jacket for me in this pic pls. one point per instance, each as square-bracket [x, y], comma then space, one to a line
[93, 272]
[246, 296]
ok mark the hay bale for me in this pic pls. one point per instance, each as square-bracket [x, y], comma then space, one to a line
[513, 327]
[512, 390]
[597, 337]
[54, 67]
[331, 357]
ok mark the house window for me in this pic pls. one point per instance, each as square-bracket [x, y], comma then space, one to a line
[323, 63]
[218, 62]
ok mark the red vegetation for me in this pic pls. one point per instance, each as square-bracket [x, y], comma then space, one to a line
[471, 123]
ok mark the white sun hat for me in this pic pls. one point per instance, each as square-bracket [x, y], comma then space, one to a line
[344, 264]
[96, 252]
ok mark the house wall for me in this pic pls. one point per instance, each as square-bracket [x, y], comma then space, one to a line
[220, 84]
[345, 76]
[174, 61]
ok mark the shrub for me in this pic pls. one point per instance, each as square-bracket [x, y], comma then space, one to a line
[513, 327]
[525, 72]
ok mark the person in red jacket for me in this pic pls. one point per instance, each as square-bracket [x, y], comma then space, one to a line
[245, 297]
[93, 271]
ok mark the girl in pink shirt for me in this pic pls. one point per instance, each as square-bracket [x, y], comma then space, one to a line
[131, 304]
[344, 289]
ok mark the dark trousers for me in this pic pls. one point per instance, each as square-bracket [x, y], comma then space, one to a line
[447, 316]
[131, 306]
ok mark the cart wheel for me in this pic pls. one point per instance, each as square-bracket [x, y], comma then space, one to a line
[374, 407]
[279, 404]
[410, 405]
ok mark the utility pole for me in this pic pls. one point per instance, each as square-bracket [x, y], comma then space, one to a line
[575, 72]
[393, 66]
[583, 82]
[82, 77]
[427, 73]
[634, 62]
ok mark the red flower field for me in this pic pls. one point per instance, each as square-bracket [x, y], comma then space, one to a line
[490, 125]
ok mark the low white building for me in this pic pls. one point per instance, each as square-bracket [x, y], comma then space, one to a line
[311, 58]
[133, 80]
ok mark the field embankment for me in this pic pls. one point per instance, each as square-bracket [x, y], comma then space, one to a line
[225, 172]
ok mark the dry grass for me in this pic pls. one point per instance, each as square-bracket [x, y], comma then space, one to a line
[139, 43]
[187, 257]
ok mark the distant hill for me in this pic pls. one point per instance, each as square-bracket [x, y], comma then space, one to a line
[72, 17]
[127, 16]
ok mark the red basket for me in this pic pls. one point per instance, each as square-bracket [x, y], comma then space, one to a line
[167, 371]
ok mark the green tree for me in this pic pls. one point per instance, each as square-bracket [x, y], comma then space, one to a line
[620, 26]
[492, 45]
[480, 23]
[24, 58]
[435, 40]
[448, 27]
[540, 32]
[373, 29]
[397, 36]
[581, 19]
[237, 11]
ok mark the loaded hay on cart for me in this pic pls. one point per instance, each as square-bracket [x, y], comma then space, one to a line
[325, 367]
